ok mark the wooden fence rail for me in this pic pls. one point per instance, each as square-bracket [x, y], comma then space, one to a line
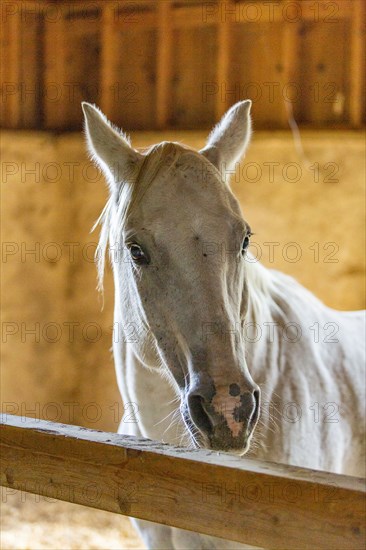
[250, 501]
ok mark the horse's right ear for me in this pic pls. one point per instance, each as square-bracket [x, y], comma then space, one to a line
[109, 147]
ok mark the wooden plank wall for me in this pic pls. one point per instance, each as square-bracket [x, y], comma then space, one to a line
[166, 63]
[251, 501]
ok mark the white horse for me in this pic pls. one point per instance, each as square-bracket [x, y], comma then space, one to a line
[190, 303]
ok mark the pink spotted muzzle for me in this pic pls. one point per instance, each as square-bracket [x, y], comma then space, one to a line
[222, 417]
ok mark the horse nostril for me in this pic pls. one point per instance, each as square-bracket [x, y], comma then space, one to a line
[257, 399]
[257, 396]
[199, 415]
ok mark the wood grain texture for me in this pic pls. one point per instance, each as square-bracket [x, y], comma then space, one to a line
[164, 65]
[195, 86]
[357, 64]
[11, 71]
[324, 73]
[57, 49]
[158, 63]
[109, 55]
[259, 503]
[223, 101]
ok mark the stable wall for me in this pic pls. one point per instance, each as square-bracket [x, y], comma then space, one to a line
[155, 64]
[51, 197]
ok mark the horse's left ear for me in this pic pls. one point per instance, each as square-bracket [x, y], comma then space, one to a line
[229, 140]
[109, 147]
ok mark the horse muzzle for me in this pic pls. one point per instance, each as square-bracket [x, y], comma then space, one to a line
[224, 421]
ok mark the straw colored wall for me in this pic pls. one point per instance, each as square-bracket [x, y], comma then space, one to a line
[73, 376]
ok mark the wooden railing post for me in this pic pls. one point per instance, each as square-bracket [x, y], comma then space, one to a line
[164, 65]
[11, 66]
[109, 55]
[357, 63]
[223, 59]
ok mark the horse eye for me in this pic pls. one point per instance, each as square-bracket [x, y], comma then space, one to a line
[137, 254]
[246, 243]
